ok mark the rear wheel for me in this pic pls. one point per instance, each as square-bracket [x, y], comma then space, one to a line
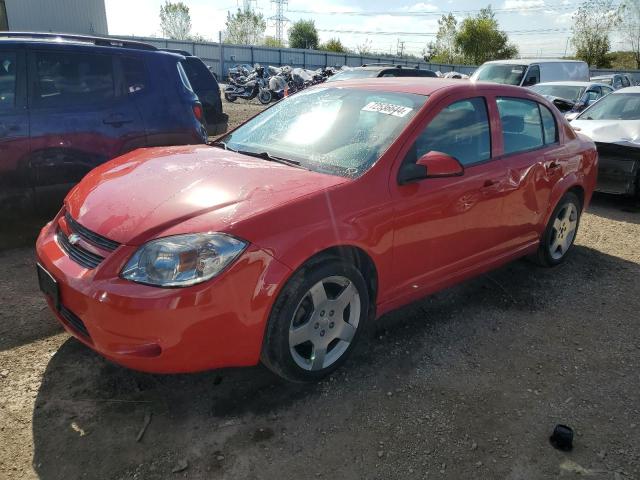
[561, 231]
[265, 96]
[316, 321]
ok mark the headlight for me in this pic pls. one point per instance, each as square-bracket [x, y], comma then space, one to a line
[182, 260]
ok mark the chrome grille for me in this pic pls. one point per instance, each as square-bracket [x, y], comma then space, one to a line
[84, 257]
[89, 236]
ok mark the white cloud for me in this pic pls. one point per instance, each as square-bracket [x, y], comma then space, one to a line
[421, 7]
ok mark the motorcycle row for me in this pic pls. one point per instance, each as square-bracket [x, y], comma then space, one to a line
[271, 83]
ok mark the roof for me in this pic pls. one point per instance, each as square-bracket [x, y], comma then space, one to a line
[71, 38]
[529, 61]
[572, 84]
[419, 85]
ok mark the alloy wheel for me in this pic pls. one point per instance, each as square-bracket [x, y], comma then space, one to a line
[324, 323]
[563, 231]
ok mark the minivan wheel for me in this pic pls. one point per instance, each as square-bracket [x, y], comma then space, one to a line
[561, 231]
[316, 321]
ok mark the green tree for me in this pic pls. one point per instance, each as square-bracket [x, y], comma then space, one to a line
[445, 49]
[303, 34]
[273, 42]
[630, 31]
[334, 45]
[592, 24]
[480, 39]
[245, 27]
[175, 20]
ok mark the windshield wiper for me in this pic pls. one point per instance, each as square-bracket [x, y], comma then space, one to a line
[220, 144]
[271, 158]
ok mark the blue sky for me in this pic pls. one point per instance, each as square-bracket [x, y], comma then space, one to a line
[409, 18]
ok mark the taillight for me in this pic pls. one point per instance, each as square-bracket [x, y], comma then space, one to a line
[197, 111]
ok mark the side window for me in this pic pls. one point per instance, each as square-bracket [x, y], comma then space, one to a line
[625, 81]
[7, 80]
[521, 124]
[73, 78]
[549, 127]
[135, 75]
[606, 91]
[617, 82]
[460, 130]
[591, 95]
[533, 76]
[390, 73]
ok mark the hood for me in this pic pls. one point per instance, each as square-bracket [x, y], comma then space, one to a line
[146, 192]
[620, 132]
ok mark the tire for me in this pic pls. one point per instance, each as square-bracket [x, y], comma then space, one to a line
[307, 336]
[265, 96]
[560, 233]
[230, 98]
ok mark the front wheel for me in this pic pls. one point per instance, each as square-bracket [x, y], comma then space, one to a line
[229, 97]
[316, 321]
[561, 230]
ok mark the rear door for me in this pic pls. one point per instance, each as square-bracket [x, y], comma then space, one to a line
[80, 118]
[535, 160]
[14, 125]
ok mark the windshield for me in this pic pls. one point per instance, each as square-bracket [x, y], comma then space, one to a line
[339, 131]
[617, 106]
[500, 73]
[567, 92]
[352, 74]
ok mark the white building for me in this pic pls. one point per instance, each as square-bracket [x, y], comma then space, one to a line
[87, 17]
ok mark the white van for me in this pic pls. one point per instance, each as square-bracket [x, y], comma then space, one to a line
[529, 72]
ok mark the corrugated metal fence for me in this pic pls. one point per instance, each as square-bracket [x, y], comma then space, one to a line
[212, 53]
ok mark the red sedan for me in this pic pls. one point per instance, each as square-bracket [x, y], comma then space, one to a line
[281, 242]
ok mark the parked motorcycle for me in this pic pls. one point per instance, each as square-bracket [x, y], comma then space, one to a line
[250, 87]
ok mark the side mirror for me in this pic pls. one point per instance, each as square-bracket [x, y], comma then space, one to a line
[431, 165]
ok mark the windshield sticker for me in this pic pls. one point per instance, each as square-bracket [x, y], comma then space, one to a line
[387, 109]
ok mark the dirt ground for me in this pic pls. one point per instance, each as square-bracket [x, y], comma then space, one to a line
[465, 384]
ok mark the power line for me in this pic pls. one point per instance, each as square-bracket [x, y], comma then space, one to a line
[540, 31]
[406, 13]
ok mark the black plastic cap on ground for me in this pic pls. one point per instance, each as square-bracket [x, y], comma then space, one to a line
[562, 438]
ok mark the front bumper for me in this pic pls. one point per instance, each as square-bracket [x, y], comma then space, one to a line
[618, 170]
[219, 323]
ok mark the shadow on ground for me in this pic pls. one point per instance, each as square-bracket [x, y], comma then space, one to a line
[468, 353]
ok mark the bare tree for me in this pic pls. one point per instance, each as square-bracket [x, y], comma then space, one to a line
[364, 48]
[175, 20]
[631, 27]
[592, 25]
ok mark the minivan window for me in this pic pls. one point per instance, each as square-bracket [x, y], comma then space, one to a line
[73, 78]
[460, 130]
[135, 75]
[521, 124]
[7, 80]
[500, 73]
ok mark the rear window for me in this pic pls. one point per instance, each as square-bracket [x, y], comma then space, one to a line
[183, 77]
[73, 78]
[199, 75]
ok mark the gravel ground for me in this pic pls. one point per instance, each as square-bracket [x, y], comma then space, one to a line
[465, 384]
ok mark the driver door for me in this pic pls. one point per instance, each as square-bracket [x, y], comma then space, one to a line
[448, 227]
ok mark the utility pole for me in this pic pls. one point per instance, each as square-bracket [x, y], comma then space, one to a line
[400, 48]
[280, 19]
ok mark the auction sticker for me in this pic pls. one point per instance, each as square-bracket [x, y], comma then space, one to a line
[387, 109]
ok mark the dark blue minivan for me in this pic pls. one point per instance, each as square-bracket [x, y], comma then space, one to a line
[70, 102]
